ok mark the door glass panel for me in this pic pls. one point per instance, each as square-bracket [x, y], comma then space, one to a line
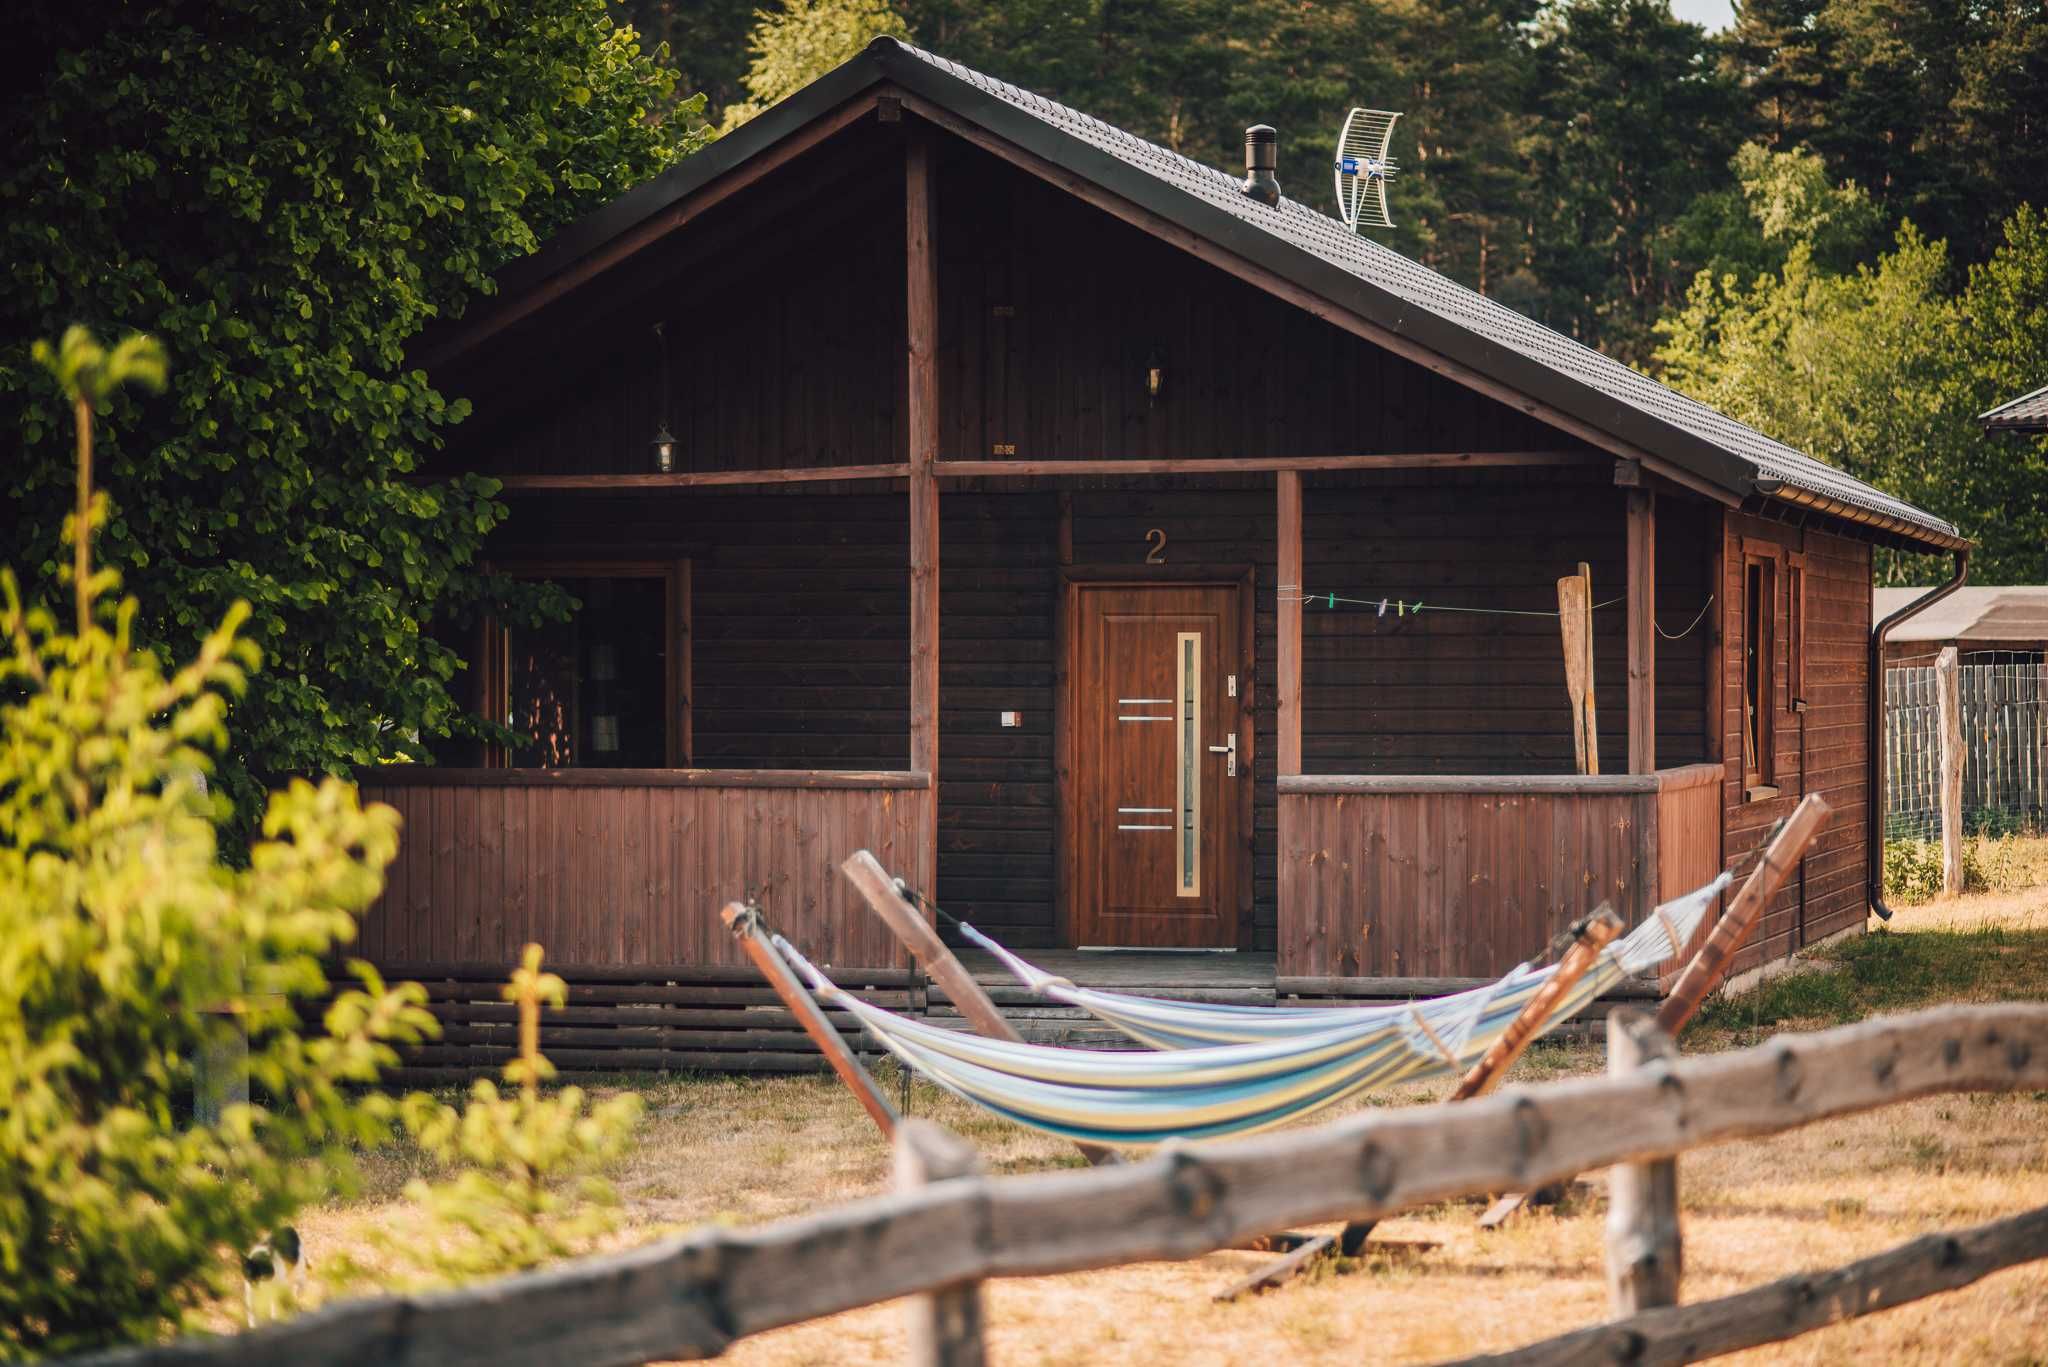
[1187, 697]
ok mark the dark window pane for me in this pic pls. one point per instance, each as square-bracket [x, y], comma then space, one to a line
[591, 691]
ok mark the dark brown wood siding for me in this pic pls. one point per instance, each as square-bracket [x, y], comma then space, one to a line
[1819, 750]
[1448, 691]
[1052, 312]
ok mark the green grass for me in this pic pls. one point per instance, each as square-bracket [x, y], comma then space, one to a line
[1888, 971]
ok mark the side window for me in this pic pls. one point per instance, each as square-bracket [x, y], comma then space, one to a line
[1759, 675]
[1795, 630]
[605, 689]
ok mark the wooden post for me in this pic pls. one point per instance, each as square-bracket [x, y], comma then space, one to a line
[945, 1325]
[1287, 688]
[874, 883]
[745, 924]
[1731, 932]
[921, 392]
[1642, 631]
[1575, 627]
[1949, 715]
[1598, 931]
[1644, 1246]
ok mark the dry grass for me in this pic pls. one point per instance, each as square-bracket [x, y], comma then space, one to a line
[741, 1151]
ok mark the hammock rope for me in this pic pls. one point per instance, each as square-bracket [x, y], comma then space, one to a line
[1218, 1069]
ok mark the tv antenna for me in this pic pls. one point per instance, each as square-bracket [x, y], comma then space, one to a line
[1364, 168]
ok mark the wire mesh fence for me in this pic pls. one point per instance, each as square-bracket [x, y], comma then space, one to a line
[2003, 701]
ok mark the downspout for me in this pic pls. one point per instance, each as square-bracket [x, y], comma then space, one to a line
[1874, 774]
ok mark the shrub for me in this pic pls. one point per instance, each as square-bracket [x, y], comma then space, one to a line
[1912, 868]
[530, 1190]
[126, 946]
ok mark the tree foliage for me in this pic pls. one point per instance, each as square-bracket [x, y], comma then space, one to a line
[1882, 370]
[794, 45]
[126, 948]
[287, 195]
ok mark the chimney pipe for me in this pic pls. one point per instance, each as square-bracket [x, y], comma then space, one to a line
[1261, 163]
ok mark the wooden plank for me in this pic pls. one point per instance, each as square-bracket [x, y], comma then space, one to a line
[691, 1296]
[1238, 465]
[1644, 1248]
[946, 972]
[701, 479]
[1575, 625]
[1600, 930]
[745, 924]
[1795, 1305]
[1642, 630]
[434, 776]
[1717, 955]
[1561, 784]
[1949, 724]
[945, 1324]
[1287, 684]
[922, 429]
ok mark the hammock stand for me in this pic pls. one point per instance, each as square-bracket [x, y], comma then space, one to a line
[1702, 973]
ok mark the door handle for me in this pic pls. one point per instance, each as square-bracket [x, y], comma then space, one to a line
[1230, 749]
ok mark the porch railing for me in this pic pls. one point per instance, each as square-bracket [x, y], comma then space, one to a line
[616, 866]
[1448, 876]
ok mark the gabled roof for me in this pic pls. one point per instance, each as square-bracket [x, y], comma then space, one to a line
[1972, 613]
[1309, 250]
[2027, 413]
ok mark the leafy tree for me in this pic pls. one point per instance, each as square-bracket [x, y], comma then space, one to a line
[1778, 199]
[1635, 121]
[124, 945]
[706, 42]
[1882, 371]
[795, 45]
[287, 195]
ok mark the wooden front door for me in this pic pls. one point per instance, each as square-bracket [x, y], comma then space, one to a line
[1160, 754]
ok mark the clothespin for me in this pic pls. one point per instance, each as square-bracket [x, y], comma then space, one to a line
[1383, 607]
[1333, 599]
[1400, 608]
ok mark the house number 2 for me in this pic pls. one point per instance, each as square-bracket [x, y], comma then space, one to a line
[1155, 542]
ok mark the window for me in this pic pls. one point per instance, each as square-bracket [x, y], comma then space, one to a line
[1795, 629]
[1759, 675]
[606, 689]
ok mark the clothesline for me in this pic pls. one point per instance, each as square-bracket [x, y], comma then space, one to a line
[1402, 608]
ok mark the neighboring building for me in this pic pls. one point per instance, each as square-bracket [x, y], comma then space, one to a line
[1975, 620]
[2027, 413]
[1007, 447]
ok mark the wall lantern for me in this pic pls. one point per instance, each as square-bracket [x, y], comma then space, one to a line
[1155, 376]
[664, 443]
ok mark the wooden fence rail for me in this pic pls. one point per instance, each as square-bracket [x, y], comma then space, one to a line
[692, 1296]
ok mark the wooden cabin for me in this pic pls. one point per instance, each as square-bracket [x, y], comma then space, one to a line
[1127, 561]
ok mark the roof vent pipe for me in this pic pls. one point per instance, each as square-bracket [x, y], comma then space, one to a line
[1262, 163]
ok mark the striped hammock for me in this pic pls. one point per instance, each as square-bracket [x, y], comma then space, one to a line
[1222, 1070]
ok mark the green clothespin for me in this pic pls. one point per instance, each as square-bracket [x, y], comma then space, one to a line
[1333, 599]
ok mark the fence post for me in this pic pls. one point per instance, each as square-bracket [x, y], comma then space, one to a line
[945, 1325]
[1949, 714]
[1644, 1247]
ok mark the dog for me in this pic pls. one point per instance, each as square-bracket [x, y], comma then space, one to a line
[281, 1256]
